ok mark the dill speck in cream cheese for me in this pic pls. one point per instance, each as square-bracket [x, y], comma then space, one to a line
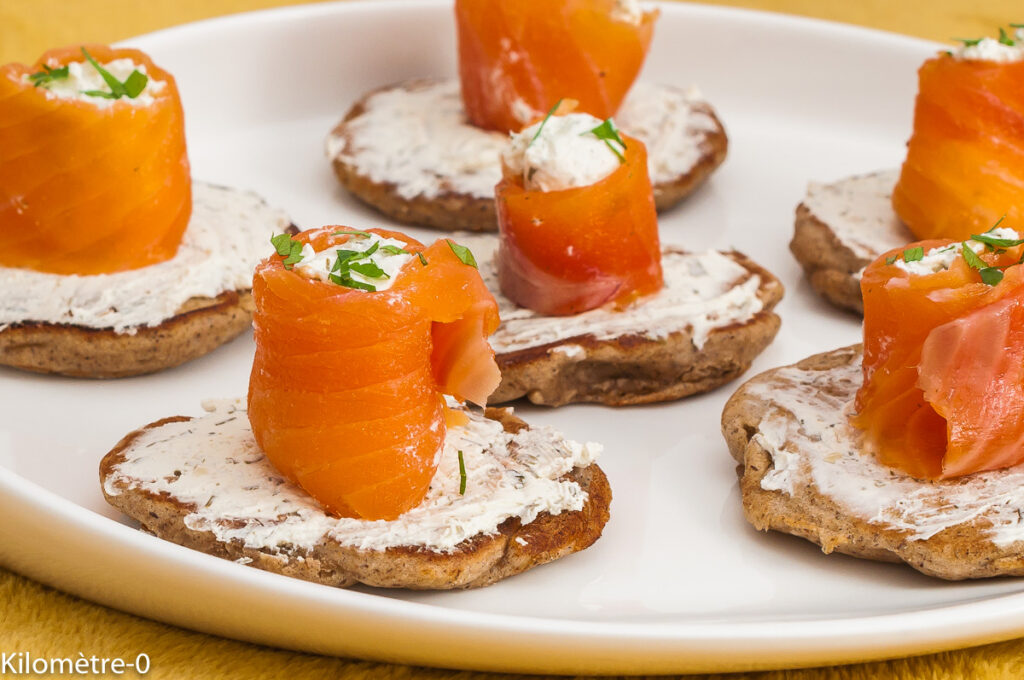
[562, 152]
[214, 464]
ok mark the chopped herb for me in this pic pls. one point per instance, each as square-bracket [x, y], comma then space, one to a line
[464, 254]
[544, 122]
[1005, 39]
[135, 84]
[132, 87]
[993, 242]
[462, 475]
[423, 260]
[282, 244]
[343, 257]
[891, 259]
[48, 75]
[288, 248]
[349, 282]
[972, 258]
[394, 250]
[294, 257]
[968, 42]
[353, 232]
[369, 270]
[996, 225]
[370, 251]
[913, 254]
[991, 275]
[608, 133]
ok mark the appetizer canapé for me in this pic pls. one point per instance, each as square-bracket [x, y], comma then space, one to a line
[965, 158]
[428, 152]
[94, 175]
[355, 461]
[358, 337]
[909, 448]
[518, 58]
[592, 307]
[114, 262]
[576, 217]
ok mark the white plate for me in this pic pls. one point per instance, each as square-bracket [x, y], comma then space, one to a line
[679, 582]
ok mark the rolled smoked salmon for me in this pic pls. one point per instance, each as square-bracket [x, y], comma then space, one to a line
[517, 58]
[965, 160]
[90, 185]
[346, 392]
[564, 252]
[943, 391]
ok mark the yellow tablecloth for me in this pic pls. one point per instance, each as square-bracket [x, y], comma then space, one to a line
[46, 623]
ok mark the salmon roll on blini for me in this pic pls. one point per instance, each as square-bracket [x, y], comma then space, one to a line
[965, 160]
[94, 174]
[576, 218]
[359, 337]
[518, 57]
[943, 392]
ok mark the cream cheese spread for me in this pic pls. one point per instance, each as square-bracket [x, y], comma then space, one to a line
[83, 77]
[702, 292]
[228, 234]
[416, 138]
[318, 264]
[214, 464]
[941, 259]
[859, 212]
[807, 432]
[990, 49]
[561, 152]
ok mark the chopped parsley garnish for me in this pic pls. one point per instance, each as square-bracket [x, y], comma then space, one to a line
[353, 232]
[368, 269]
[992, 242]
[989, 275]
[348, 262]
[608, 133]
[132, 87]
[972, 258]
[48, 75]
[1004, 38]
[913, 254]
[288, 248]
[462, 475]
[394, 250]
[464, 254]
[909, 255]
[423, 260]
[348, 282]
[544, 122]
